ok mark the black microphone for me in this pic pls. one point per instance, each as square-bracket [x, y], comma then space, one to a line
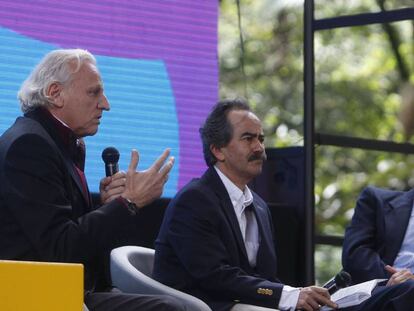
[110, 156]
[341, 280]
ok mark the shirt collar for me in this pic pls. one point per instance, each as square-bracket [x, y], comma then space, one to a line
[240, 199]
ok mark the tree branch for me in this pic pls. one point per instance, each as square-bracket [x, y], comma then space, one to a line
[395, 41]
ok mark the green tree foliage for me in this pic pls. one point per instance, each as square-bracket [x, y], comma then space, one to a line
[273, 65]
[364, 88]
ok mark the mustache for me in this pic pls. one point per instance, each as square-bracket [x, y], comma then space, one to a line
[257, 156]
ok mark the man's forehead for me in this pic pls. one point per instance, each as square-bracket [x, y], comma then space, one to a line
[88, 71]
[240, 117]
[75, 66]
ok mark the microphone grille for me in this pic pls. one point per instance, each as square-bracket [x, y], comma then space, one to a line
[110, 155]
[343, 279]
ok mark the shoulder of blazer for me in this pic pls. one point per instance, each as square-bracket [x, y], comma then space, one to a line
[387, 197]
[382, 193]
[211, 182]
[25, 126]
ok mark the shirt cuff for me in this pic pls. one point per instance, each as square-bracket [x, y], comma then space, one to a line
[289, 298]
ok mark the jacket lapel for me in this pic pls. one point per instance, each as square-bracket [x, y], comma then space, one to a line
[266, 257]
[397, 215]
[76, 178]
[217, 185]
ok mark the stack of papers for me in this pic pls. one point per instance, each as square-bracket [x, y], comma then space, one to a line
[353, 295]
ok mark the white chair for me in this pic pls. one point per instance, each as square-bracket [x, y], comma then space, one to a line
[131, 272]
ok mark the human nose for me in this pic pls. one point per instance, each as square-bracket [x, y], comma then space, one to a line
[258, 145]
[103, 103]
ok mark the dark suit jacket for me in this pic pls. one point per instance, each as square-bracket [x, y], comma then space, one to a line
[44, 215]
[200, 248]
[375, 235]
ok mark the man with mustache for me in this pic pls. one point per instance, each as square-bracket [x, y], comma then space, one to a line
[216, 240]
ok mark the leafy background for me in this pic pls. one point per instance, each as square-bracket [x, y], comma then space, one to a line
[364, 87]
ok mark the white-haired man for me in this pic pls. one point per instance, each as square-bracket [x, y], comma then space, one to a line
[46, 213]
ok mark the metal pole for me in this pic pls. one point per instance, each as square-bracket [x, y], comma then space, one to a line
[308, 133]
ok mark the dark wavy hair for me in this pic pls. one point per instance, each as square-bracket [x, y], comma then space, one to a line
[217, 130]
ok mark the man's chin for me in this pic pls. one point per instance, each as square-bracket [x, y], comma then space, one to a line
[89, 132]
[257, 169]
[257, 163]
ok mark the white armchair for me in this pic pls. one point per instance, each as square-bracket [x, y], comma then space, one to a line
[131, 272]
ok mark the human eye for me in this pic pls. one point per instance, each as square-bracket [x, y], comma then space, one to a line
[95, 92]
[247, 137]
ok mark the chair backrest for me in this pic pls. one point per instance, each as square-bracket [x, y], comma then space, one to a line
[142, 259]
[131, 272]
[41, 286]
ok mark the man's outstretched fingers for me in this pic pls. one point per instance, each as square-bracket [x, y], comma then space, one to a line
[167, 167]
[160, 161]
[133, 164]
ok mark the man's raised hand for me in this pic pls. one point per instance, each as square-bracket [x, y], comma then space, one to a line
[144, 187]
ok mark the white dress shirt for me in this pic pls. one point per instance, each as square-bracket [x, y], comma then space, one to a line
[405, 257]
[240, 199]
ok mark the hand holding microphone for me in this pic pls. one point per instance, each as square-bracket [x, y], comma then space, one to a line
[113, 185]
[312, 297]
[110, 156]
[138, 187]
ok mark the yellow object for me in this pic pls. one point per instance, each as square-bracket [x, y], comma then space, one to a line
[40, 286]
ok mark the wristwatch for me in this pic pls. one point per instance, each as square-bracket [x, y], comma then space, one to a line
[132, 207]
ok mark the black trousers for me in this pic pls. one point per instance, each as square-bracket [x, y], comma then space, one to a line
[398, 297]
[115, 300]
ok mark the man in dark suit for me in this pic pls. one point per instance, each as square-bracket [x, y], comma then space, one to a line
[46, 213]
[216, 240]
[379, 243]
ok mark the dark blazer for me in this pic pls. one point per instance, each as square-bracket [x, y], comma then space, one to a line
[375, 235]
[44, 215]
[200, 249]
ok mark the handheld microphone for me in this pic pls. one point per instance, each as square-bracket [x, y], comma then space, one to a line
[110, 156]
[341, 280]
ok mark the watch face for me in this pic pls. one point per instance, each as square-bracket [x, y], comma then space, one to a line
[133, 208]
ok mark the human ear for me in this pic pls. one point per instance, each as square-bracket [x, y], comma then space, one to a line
[218, 153]
[54, 94]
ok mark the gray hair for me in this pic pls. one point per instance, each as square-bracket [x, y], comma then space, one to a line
[56, 66]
